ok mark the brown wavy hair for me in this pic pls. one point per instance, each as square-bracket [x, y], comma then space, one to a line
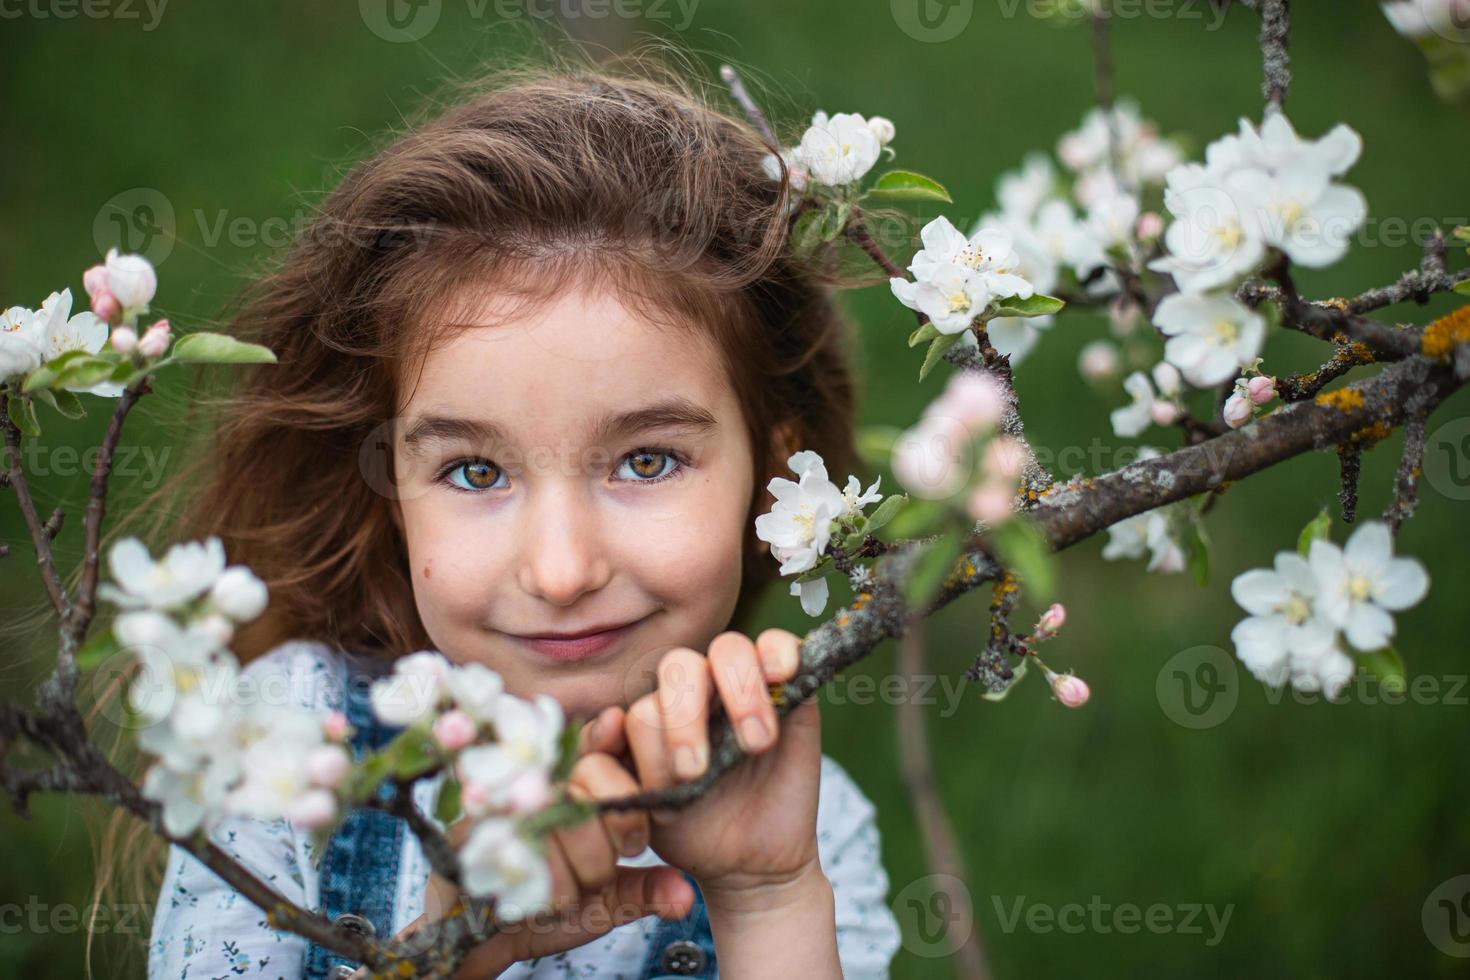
[631, 177]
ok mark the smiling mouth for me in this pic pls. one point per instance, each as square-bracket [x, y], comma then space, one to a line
[573, 647]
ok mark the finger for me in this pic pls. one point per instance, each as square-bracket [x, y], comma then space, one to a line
[604, 733]
[779, 653]
[601, 777]
[644, 729]
[659, 890]
[683, 701]
[741, 683]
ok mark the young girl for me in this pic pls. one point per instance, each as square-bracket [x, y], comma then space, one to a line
[539, 357]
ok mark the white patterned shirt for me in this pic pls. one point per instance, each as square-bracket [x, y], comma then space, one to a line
[204, 930]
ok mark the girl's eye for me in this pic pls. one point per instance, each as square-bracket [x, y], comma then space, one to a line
[474, 475]
[650, 465]
[642, 466]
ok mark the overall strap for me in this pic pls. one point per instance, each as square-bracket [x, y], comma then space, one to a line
[684, 947]
[358, 873]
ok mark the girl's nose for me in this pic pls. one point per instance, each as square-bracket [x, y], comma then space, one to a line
[562, 556]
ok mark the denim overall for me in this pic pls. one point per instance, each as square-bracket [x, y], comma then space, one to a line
[358, 873]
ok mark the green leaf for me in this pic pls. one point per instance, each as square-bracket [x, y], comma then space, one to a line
[930, 569]
[83, 372]
[414, 752]
[63, 401]
[563, 813]
[887, 511]
[98, 649]
[1463, 287]
[937, 348]
[22, 412]
[1197, 552]
[905, 185]
[840, 212]
[1462, 232]
[927, 332]
[446, 804]
[1019, 672]
[807, 234]
[567, 757]
[853, 541]
[45, 375]
[1022, 548]
[1318, 528]
[1038, 304]
[367, 774]
[203, 347]
[1387, 666]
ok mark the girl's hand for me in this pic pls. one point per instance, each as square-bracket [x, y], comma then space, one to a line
[590, 893]
[752, 839]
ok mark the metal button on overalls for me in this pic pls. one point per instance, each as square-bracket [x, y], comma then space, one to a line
[353, 922]
[682, 958]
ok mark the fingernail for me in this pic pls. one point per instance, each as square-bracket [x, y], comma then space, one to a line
[754, 735]
[634, 843]
[688, 763]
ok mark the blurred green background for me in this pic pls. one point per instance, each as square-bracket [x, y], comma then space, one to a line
[1323, 828]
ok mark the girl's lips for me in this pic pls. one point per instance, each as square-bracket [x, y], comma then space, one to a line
[580, 648]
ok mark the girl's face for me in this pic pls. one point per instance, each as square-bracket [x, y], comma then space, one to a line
[573, 469]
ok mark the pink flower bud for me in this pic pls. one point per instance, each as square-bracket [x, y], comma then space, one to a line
[975, 399]
[1237, 410]
[1150, 225]
[882, 128]
[1099, 361]
[454, 729]
[1262, 389]
[94, 280]
[220, 629]
[990, 502]
[1164, 413]
[154, 340]
[930, 460]
[1004, 457]
[474, 799]
[1072, 691]
[335, 727]
[313, 809]
[1052, 620]
[106, 306]
[328, 766]
[124, 340]
[530, 791]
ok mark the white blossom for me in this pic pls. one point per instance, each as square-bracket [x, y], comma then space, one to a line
[799, 525]
[1137, 415]
[1211, 336]
[837, 150]
[1361, 583]
[496, 860]
[1284, 638]
[239, 594]
[813, 594]
[956, 278]
[413, 691]
[60, 332]
[527, 736]
[476, 689]
[1449, 19]
[20, 342]
[187, 571]
[132, 280]
[1143, 157]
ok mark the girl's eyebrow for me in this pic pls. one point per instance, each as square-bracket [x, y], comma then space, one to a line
[672, 412]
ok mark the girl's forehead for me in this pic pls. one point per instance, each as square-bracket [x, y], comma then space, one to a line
[577, 355]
